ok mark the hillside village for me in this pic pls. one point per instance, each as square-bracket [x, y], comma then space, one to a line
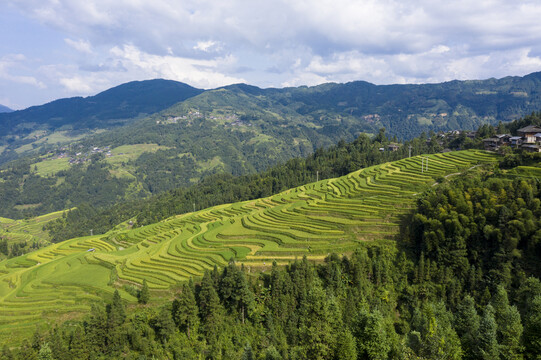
[528, 139]
[229, 119]
[80, 156]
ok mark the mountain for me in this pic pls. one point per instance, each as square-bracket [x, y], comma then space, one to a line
[407, 110]
[331, 110]
[237, 129]
[66, 120]
[127, 101]
[4, 109]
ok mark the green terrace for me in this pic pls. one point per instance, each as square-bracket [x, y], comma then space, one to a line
[334, 215]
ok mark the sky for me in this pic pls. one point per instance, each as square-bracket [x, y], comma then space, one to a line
[52, 49]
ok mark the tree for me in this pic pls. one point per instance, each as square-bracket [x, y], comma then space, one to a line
[144, 295]
[371, 334]
[116, 313]
[96, 329]
[163, 324]
[78, 348]
[210, 309]
[235, 291]
[487, 341]
[315, 331]
[248, 353]
[434, 334]
[346, 348]
[532, 329]
[467, 326]
[185, 312]
[45, 353]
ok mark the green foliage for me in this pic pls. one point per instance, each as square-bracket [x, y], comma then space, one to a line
[185, 311]
[223, 188]
[487, 347]
[373, 342]
[467, 326]
[532, 329]
[144, 295]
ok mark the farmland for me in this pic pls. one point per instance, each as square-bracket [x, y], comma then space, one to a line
[333, 215]
[27, 230]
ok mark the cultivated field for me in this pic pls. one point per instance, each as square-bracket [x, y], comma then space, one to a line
[334, 215]
[16, 231]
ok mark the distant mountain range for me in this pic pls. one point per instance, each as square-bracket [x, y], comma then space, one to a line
[4, 109]
[109, 108]
[302, 117]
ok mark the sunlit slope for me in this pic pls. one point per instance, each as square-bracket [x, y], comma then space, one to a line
[16, 231]
[327, 216]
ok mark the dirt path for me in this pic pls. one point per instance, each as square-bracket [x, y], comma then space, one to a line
[458, 173]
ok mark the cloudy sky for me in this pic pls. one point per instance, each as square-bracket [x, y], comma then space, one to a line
[59, 48]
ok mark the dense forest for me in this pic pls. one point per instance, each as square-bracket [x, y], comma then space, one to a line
[462, 282]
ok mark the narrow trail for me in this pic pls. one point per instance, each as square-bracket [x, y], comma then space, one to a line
[458, 173]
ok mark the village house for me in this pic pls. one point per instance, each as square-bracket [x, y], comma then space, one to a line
[528, 133]
[495, 142]
[531, 147]
[516, 141]
[492, 143]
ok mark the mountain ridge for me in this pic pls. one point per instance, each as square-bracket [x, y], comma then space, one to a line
[5, 109]
[121, 102]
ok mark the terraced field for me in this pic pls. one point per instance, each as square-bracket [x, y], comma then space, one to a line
[16, 231]
[334, 215]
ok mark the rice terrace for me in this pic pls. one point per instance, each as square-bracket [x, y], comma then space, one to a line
[62, 280]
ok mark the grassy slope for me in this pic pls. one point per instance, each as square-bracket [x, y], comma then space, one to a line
[121, 155]
[27, 230]
[334, 215]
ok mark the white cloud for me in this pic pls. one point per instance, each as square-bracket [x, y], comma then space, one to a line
[80, 45]
[279, 42]
[77, 85]
[197, 72]
[206, 46]
[10, 67]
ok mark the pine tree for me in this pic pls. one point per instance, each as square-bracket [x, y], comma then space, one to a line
[487, 342]
[467, 326]
[144, 295]
[163, 324]
[116, 313]
[26, 352]
[45, 353]
[346, 348]
[185, 312]
[372, 338]
[96, 329]
[210, 309]
[532, 329]
[78, 348]
[509, 325]
[248, 353]
[315, 331]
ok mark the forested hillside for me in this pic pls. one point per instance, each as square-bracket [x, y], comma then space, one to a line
[65, 120]
[242, 129]
[452, 274]
[461, 282]
[235, 130]
[225, 188]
